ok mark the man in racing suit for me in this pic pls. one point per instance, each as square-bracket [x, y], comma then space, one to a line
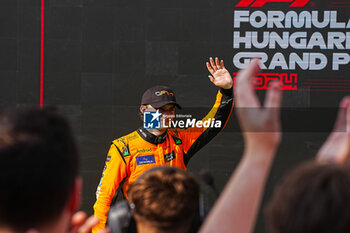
[131, 155]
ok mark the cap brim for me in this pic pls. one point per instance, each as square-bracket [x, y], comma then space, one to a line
[163, 103]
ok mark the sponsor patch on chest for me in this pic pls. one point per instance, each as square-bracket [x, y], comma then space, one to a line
[177, 140]
[170, 156]
[147, 159]
[143, 150]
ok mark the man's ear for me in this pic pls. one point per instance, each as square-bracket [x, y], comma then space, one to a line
[75, 198]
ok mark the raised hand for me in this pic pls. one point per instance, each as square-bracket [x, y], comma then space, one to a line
[219, 75]
[260, 124]
[336, 148]
[238, 205]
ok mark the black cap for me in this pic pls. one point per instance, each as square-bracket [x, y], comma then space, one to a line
[158, 96]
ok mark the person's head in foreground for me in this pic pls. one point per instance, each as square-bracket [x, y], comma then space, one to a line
[38, 171]
[164, 200]
[312, 198]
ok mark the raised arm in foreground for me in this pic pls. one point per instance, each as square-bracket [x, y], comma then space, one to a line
[336, 148]
[238, 205]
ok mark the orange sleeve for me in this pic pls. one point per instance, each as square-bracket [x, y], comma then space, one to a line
[114, 172]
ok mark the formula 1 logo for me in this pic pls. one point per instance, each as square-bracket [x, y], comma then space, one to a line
[261, 3]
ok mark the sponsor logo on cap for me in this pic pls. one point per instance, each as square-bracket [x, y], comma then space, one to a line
[159, 93]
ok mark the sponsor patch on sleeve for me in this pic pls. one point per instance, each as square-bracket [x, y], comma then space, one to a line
[126, 151]
[98, 192]
[147, 159]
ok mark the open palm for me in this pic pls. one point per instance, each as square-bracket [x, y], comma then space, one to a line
[219, 74]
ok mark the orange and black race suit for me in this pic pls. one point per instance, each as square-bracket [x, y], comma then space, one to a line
[139, 151]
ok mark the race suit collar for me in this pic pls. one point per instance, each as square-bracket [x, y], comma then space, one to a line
[152, 138]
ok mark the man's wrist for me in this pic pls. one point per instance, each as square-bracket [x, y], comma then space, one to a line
[227, 92]
[260, 152]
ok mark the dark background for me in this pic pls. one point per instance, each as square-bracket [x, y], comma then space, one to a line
[100, 55]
